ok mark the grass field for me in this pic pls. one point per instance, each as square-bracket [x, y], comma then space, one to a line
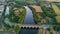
[56, 9]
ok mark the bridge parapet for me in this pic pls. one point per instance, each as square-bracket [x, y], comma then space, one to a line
[30, 26]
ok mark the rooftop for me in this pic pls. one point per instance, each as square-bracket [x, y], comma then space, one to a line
[37, 8]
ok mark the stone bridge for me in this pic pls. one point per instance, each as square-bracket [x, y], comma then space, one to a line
[31, 26]
[27, 26]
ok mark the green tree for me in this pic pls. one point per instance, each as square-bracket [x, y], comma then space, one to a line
[16, 28]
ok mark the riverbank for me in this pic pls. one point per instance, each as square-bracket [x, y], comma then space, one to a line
[21, 19]
[29, 20]
[37, 18]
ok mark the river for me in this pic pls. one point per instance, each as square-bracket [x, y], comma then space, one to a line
[29, 16]
[28, 20]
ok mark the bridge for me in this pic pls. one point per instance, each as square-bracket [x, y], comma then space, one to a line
[31, 26]
[27, 26]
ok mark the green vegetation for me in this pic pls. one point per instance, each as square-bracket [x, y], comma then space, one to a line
[17, 19]
[36, 18]
[58, 6]
[4, 10]
[19, 0]
[49, 12]
[51, 33]
[7, 26]
[13, 17]
[3, 16]
[25, 0]
[16, 28]
[21, 19]
[56, 28]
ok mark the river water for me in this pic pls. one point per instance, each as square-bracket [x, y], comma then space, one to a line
[29, 16]
[28, 20]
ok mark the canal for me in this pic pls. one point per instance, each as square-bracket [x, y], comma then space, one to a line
[28, 20]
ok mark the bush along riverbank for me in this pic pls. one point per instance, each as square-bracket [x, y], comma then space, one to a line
[36, 18]
[21, 19]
